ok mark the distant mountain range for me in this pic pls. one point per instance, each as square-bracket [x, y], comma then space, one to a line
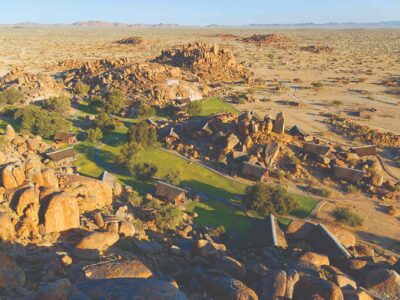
[102, 24]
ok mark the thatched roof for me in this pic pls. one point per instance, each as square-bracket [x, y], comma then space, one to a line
[253, 171]
[326, 243]
[168, 191]
[316, 149]
[364, 150]
[349, 174]
[62, 154]
[173, 133]
[297, 131]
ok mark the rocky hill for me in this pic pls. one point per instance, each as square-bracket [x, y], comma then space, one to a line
[66, 236]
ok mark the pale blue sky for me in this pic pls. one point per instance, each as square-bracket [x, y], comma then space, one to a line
[199, 12]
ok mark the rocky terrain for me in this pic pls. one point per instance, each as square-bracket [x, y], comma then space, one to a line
[69, 236]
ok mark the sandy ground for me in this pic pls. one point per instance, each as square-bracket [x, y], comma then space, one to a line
[352, 74]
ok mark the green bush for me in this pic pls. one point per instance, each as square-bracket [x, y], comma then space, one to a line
[174, 176]
[81, 88]
[337, 102]
[352, 189]
[94, 134]
[127, 155]
[320, 191]
[59, 104]
[114, 101]
[145, 111]
[11, 96]
[266, 199]
[346, 216]
[105, 122]
[143, 134]
[145, 170]
[317, 84]
[169, 217]
[194, 108]
[38, 121]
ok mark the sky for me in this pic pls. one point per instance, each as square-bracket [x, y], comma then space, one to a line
[199, 12]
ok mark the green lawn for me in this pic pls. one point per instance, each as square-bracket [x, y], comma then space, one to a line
[216, 105]
[93, 160]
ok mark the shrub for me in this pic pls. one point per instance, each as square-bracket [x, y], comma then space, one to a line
[142, 134]
[174, 176]
[59, 104]
[81, 88]
[105, 122]
[352, 189]
[11, 96]
[194, 108]
[145, 111]
[94, 134]
[320, 191]
[145, 170]
[135, 199]
[38, 121]
[114, 101]
[346, 216]
[239, 101]
[267, 199]
[317, 84]
[169, 217]
[337, 102]
[127, 155]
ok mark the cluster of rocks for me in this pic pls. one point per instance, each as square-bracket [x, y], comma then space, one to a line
[156, 82]
[133, 40]
[363, 133]
[31, 85]
[267, 39]
[317, 49]
[210, 62]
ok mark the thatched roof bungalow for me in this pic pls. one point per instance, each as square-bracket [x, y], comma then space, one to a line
[348, 174]
[254, 172]
[171, 193]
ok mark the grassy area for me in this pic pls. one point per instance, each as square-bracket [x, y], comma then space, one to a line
[216, 105]
[94, 159]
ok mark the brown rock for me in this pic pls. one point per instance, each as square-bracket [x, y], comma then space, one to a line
[231, 266]
[315, 259]
[377, 180]
[127, 229]
[292, 277]
[300, 230]
[94, 244]
[19, 175]
[7, 229]
[27, 196]
[98, 219]
[208, 249]
[365, 250]
[309, 286]
[350, 294]
[384, 283]
[8, 179]
[10, 132]
[346, 238]
[62, 213]
[49, 178]
[11, 275]
[274, 285]
[118, 269]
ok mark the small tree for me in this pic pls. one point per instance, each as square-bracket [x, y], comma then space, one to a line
[194, 108]
[174, 176]
[59, 104]
[169, 217]
[145, 170]
[81, 88]
[94, 134]
[142, 134]
[145, 111]
[105, 122]
[267, 199]
[127, 155]
[114, 101]
[11, 96]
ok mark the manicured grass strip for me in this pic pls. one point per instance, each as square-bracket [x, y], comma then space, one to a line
[306, 205]
[216, 105]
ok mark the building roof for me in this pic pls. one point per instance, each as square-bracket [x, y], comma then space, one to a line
[326, 243]
[316, 149]
[61, 154]
[352, 175]
[297, 131]
[173, 133]
[207, 128]
[274, 235]
[364, 150]
[253, 170]
[168, 191]
[63, 135]
[108, 178]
